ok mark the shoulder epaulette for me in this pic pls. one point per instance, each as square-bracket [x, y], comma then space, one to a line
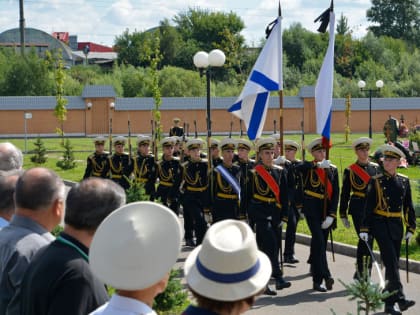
[176, 158]
[279, 167]
[374, 164]
[402, 175]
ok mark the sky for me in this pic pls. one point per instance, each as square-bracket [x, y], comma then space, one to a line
[100, 21]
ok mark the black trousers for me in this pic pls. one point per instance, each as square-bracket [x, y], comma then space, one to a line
[290, 239]
[318, 251]
[390, 255]
[362, 253]
[223, 209]
[194, 214]
[268, 241]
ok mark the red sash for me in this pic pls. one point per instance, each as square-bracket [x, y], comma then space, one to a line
[364, 176]
[321, 174]
[270, 181]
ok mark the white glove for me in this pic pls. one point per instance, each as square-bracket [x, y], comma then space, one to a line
[327, 222]
[364, 236]
[208, 217]
[324, 164]
[280, 225]
[408, 236]
[280, 160]
[346, 222]
[301, 214]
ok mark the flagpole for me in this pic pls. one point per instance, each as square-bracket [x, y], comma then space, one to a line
[281, 99]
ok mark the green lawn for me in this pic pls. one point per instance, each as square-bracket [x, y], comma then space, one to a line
[341, 155]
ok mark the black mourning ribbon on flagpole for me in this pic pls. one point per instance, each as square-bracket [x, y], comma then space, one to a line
[269, 28]
[324, 18]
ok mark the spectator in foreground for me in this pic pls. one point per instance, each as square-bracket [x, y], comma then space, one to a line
[58, 279]
[7, 189]
[133, 250]
[227, 272]
[39, 199]
[11, 157]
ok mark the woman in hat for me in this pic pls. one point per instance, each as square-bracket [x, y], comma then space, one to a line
[227, 272]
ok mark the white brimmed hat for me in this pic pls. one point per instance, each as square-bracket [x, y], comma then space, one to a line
[362, 143]
[391, 151]
[214, 143]
[316, 145]
[228, 265]
[119, 140]
[168, 141]
[291, 145]
[99, 140]
[265, 144]
[243, 144]
[195, 143]
[143, 139]
[228, 144]
[136, 246]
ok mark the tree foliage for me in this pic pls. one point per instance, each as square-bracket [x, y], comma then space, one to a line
[397, 19]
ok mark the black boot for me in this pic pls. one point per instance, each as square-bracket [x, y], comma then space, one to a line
[405, 304]
[269, 291]
[319, 287]
[329, 283]
[282, 284]
[390, 309]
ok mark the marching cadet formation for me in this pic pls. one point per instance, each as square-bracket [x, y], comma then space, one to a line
[274, 191]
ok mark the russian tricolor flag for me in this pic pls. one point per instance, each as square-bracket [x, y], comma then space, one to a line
[324, 88]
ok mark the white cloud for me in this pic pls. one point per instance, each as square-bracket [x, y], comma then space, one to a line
[102, 20]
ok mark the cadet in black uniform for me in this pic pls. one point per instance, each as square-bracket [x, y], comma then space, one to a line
[225, 184]
[295, 200]
[245, 164]
[96, 164]
[144, 166]
[215, 152]
[268, 205]
[313, 179]
[195, 187]
[389, 206]
[120, 164]
[353, 197]
[176, 129]
[168, 171]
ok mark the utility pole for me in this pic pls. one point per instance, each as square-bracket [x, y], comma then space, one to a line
[22, 28]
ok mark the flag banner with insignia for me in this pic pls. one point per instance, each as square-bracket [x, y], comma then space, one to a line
[266, 76]
[324, 87]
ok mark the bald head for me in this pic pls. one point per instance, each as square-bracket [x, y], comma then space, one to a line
[38, 188]
[10, 157]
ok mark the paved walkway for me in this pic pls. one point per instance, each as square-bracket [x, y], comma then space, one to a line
[301, 299]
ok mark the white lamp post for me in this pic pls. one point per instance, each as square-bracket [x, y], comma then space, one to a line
[204, 61]
[379, 85]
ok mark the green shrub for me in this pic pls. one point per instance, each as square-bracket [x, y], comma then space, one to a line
[67, 162]
[174, 299]
[40, 151]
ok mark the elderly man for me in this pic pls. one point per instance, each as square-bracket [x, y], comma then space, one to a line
[10, 157]
[39, 199]
[7, 189]
[58, 279]
[388, 208]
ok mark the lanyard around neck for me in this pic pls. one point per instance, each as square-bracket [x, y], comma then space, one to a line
[68, 243]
